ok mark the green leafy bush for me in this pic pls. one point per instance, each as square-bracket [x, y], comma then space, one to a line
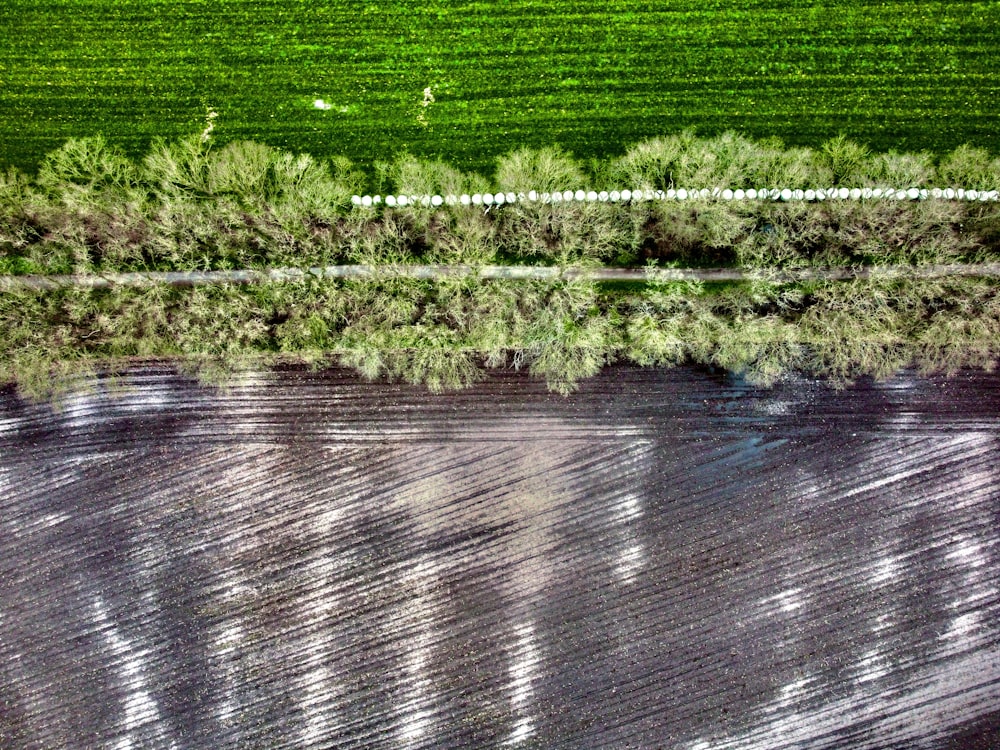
[86, 173]
[902, 171]
[542, 170]
[193, 205]
[968, 167]
[847, 161]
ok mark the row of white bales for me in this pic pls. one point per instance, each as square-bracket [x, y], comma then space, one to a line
[625, 196]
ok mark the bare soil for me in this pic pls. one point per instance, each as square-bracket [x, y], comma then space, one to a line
[665, 559]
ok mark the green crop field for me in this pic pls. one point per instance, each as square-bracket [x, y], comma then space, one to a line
[467, 81]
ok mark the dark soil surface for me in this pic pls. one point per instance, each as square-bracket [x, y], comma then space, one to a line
[664, 559]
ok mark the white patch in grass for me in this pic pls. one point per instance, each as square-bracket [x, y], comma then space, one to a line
[883, 622]
[314, 704]
[417, 619]
[962, 627]
[776, 408]
[628, 508]
[522, 731]
[792, 692]
[964, 633]
[414, 727]
[47, 521]
[523, 669]
[206, 134]
[139, 708]
[427, 102]
[10, 425]
[82, 408]
[967, 553]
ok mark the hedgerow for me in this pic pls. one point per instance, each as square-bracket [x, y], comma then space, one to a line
[448, 333]
[192, 206]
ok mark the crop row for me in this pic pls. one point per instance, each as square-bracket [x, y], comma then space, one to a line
[416, 271]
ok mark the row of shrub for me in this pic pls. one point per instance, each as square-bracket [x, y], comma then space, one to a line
[192, 205]
[448, 333]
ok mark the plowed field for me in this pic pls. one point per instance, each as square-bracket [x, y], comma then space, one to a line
[664, 559]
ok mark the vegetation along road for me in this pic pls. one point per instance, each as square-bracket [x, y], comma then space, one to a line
[191, 207]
